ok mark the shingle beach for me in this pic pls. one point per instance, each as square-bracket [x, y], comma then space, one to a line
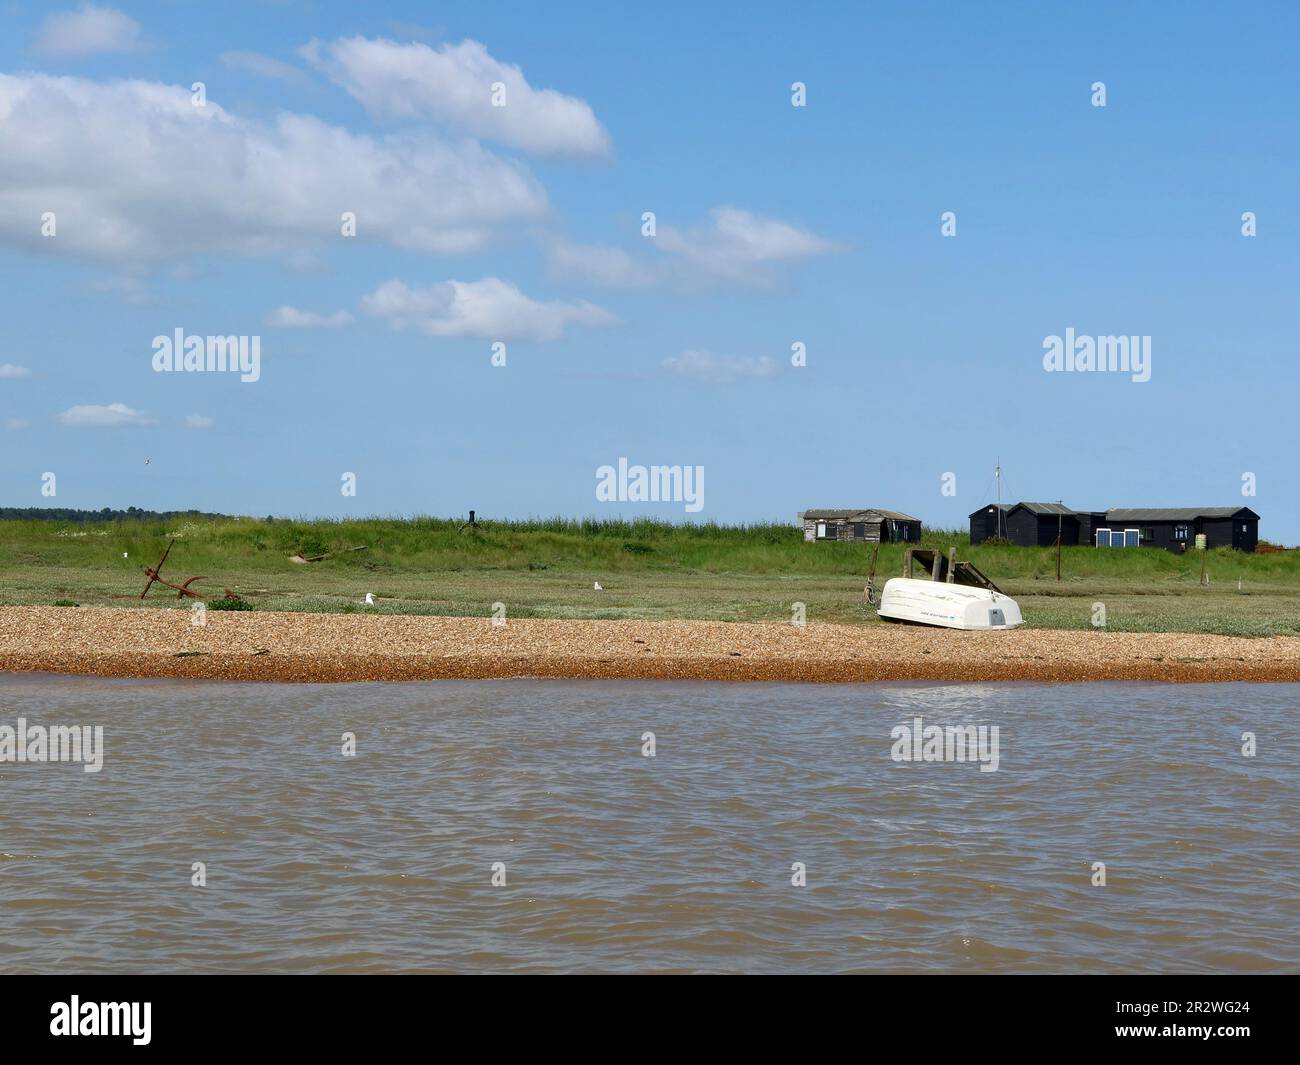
[353, 647]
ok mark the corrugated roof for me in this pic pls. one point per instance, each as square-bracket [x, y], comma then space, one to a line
[1123, 514]
[866, 514]
[1033, 508]
[833, 515]
[1175, 513]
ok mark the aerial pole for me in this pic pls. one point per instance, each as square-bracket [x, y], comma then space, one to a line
[1060, 518]
[997, 476]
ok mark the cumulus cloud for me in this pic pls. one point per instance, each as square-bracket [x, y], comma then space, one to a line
[741, 246]
[199, 421]
[9, 370]
[112, 416]
[87, 31]
[134, 171]
[287, 317]
[490, 308]
[452, 84]
[719, 369]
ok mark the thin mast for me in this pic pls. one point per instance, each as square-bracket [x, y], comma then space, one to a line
[997, 476]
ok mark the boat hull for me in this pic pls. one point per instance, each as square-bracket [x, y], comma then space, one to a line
[952, 606]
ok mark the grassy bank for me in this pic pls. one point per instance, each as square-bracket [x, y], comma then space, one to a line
[649, 570]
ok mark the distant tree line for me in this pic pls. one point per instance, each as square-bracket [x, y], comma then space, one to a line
[107, 514]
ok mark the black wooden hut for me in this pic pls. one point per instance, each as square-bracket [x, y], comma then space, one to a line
[1172, 528]
[1176, 528]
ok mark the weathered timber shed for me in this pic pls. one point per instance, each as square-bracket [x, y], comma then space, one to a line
[870, 525]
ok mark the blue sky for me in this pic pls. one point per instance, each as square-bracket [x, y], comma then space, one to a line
[775, 224]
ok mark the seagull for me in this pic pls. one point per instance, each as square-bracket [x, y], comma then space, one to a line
[370, 598]
[596, 587]
[124, 554]
[146, 462]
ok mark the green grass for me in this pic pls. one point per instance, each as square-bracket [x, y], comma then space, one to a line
[652, 570]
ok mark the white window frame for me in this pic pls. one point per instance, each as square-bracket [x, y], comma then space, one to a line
[1096, 537]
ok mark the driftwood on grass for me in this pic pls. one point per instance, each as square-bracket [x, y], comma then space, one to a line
[328, 554]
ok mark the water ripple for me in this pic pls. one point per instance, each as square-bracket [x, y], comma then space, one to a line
[682, 862]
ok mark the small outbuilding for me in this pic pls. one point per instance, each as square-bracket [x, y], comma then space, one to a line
[870, 526]
[988, 522]
[1028, 524]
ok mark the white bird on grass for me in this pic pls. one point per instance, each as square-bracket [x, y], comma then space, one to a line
[596, 587]
[369, 599]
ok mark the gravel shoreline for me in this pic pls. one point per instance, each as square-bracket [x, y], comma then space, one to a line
[354, 647]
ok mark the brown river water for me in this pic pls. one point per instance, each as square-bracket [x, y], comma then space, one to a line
[613, 861]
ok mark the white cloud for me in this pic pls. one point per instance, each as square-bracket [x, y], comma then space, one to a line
[264, 66]
[490, 308]
[171, 179]
[287, 317]
[198, 421]
[737, 247]
[453, 84]
[597, 263]
[9, 370]
[16, 423]
[87, 31]
[741, 246]
[718, 369]
[92, 416]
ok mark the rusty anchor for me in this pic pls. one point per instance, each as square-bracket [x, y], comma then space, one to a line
[182, 590]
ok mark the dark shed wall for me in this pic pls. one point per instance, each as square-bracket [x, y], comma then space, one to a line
[983, 524]
[1088, 526]
[906, 531]
[1022, 528]
[1048, 530]
[1240, 533]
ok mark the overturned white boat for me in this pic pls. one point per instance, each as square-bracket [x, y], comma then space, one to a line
[957, 595]
[954, 606]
